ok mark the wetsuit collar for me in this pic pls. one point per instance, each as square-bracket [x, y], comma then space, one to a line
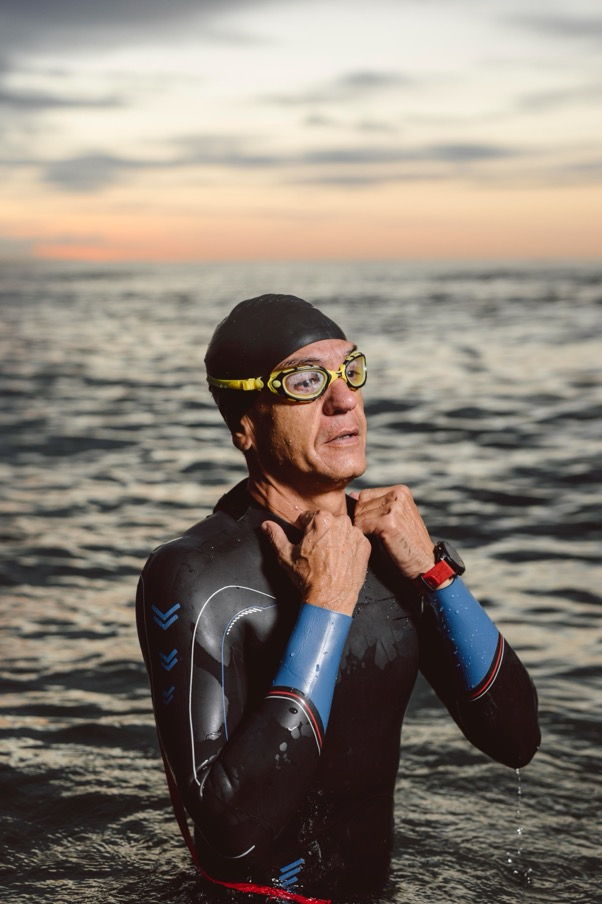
[238, 503]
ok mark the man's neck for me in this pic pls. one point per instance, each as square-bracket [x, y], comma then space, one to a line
[289, 503]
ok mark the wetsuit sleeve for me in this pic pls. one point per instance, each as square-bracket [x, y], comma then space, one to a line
[242, 734]
[478, 676]
[311, 660]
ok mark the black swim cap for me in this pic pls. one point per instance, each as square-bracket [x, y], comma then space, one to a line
[255, 336]
[260, 332]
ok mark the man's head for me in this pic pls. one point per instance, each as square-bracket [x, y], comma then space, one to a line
[308, 425]
[255, 336]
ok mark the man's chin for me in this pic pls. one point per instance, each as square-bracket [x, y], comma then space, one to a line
[339, 478]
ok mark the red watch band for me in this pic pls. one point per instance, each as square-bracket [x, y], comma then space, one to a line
[437, 575]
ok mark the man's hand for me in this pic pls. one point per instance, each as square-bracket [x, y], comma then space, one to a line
[391, 514]
[329, 563]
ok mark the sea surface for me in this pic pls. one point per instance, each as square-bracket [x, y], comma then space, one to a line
[484, 396]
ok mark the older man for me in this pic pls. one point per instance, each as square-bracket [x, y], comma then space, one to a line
[284, 633]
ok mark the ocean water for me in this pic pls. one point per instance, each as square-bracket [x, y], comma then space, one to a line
[484, 396]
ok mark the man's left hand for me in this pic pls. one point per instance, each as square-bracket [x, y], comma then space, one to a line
[391, 514]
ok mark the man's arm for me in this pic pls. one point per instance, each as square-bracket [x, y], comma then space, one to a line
[469, 664]
[478, 676]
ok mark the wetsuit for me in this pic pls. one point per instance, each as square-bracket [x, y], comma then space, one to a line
[278, 801]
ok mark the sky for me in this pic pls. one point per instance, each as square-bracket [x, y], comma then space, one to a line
[300, 129]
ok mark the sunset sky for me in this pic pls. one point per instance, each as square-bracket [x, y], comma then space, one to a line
[300, 129]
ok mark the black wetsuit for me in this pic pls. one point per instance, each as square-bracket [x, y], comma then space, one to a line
[277, 801]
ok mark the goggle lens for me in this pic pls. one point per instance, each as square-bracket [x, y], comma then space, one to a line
[356, 371]
[305, 384]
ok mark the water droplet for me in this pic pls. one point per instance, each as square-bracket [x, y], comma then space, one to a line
[521, 873]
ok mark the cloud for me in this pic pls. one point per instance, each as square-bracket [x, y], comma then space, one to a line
[375, 125]
[369, 178]
[36, 101]
[230, 152]
[375, 155]
[468, 152]
[348, 87]
[373, 165]
[353, 165]
[94, 172]
[90, 172]
[561, 26]
[322, 121]
[546, 101]
[591, 170]
[32, 27]
[367, 80]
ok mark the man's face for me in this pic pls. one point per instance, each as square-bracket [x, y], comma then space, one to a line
[310, 446]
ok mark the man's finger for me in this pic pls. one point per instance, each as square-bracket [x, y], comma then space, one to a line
[371, 493]
[304, 519]
[279, 541]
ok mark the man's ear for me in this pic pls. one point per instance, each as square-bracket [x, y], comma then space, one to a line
[244, 437]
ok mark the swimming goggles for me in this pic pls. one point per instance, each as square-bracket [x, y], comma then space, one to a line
[305, 383]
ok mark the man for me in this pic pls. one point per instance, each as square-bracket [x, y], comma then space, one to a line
[284, 633]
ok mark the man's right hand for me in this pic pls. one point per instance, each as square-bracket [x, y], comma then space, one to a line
[330, 561]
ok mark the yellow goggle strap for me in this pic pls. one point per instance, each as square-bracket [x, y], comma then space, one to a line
[252, 384]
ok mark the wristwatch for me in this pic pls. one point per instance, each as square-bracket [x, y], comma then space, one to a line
[447, 565]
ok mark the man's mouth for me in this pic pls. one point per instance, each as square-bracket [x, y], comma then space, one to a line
[344, 435]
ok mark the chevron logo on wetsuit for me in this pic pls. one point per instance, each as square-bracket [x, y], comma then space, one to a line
[165, 619]
[289, 875]
[168, 660]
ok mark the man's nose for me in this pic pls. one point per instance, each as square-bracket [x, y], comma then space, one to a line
[340, 397]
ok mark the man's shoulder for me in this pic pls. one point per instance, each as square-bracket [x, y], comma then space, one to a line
[222, 555]
[222, 529]
[227, 549]
[211, 540]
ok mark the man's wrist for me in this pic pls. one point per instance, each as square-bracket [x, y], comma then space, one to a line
[440, 575]
[448, 565]
[343, 605]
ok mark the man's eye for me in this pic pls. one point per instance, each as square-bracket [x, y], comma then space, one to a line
[307, 381]
[355, 372]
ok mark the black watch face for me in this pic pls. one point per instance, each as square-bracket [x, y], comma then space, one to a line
[447, 553]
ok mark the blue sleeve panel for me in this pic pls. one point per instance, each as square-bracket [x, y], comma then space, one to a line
[473, 636]
[311, 660]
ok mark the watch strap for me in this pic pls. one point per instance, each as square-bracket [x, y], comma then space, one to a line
[437, 575]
